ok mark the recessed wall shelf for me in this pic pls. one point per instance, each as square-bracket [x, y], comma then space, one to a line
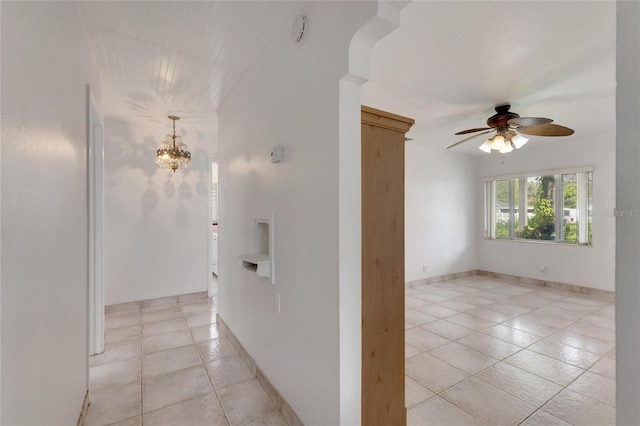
[261, 261]
[258, 263]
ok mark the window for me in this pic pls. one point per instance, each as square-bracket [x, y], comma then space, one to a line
[552, 206]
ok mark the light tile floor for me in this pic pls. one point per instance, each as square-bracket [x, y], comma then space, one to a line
[169, 365]
[480, 350]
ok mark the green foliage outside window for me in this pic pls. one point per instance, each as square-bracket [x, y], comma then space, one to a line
[571, 232]
[541, 196]
[502, 229]
[542, 225]
[570, 194]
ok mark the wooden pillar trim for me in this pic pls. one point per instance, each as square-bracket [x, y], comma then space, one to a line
[386, 120]
[383, 140]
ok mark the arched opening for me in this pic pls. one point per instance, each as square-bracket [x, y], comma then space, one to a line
[476, 253]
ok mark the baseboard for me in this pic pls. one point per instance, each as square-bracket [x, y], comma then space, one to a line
[85, 408]
[440, 278]
[551, 284]
[170, 300]
[278, 400]
[512, 278]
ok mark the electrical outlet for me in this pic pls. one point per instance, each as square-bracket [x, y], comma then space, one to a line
[424, 268]
[276, 303]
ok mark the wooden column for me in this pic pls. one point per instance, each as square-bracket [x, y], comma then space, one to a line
[383, 139]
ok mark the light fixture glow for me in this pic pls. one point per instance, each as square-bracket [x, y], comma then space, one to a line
[486, 146]
[173, 153]
[508, 147]
[519, 141]
[497, 142]
[504, 142]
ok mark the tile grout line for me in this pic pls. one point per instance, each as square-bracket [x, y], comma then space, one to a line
[522, 347]
[278, 406]
[215, 387]
[539, 408]
[587, 313]
[206, 370]
[195, 344]
[140, 346]
[481, 332]
[562, 390]
[184, 317]
[584, 370]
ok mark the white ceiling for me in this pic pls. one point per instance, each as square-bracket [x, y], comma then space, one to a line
[157, 58]
[450, 62]
[446, 66]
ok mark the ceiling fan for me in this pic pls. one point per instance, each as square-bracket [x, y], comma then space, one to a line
[509, 128]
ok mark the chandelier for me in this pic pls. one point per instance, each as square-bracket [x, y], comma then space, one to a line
[504, 142]
[173, 153]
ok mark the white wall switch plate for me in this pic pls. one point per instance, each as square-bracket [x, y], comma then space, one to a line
[276, 303]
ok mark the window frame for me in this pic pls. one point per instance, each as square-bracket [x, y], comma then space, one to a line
[583, 205]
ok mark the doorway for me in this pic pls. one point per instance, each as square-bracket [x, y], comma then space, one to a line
[213, 231]
[95, 190]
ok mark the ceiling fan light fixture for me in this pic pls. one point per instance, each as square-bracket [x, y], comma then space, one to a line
[486, 146]
[509, 128]
[497, 142]
[507, 148]
[519, 141]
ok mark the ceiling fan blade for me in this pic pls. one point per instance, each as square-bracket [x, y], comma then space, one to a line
[464, 132]
[546, 130]
[469, 138]
[529, 121]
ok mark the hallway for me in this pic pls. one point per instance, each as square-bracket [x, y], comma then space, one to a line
[169, 364]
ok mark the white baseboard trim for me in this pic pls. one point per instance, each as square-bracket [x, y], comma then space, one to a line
[170, 300]
[83, 411]
[278, 400]
[440, 278]
[512, 278]
[551, 284]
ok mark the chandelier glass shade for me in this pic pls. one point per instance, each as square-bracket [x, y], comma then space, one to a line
[173, 153]
[504, 142]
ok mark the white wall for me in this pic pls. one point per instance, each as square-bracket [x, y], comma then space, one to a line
[440, 219]
[586, 266]
[628, 226]
[290, 97]
[156, 222]
[45, 68]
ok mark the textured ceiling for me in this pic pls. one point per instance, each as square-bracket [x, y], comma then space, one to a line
[449, 63]
[157, 58]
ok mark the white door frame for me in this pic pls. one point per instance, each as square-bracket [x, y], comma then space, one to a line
[95, 189]
[210, 269]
